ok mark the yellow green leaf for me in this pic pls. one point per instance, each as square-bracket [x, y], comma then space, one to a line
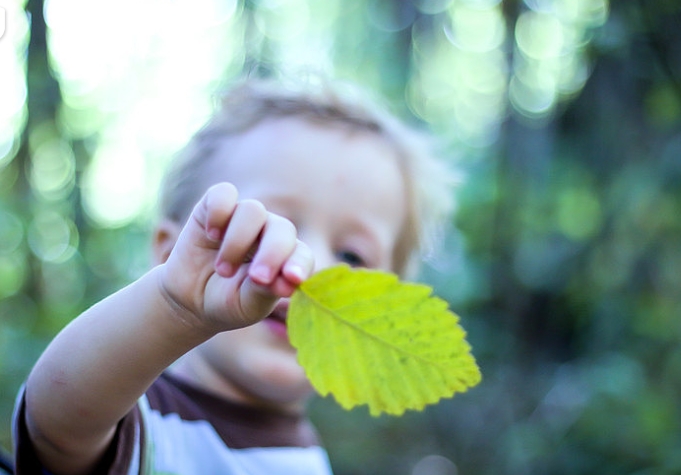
[367, 338]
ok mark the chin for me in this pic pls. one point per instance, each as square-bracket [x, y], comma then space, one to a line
[273, 374]
[284, 381]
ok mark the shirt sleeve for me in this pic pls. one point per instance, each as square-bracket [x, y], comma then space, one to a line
[122, 457]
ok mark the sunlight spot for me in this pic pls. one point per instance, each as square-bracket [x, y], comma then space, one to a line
[52, 237]
[114, 185]
[53, 169]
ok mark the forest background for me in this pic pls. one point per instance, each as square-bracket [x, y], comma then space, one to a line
[563, 261]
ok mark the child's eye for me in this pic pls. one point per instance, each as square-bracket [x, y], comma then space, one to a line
[351, 258]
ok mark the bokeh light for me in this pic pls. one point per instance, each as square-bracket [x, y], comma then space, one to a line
[464, 80]
[139, 86]
[549, 60]
[460, 79]
[13, 268]
[52, 237]
[12, 79]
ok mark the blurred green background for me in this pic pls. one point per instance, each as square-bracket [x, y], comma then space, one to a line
[564, 260]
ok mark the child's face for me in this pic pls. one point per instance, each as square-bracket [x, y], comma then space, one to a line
[345, 194]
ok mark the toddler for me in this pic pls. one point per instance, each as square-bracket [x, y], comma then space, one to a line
[188, 370]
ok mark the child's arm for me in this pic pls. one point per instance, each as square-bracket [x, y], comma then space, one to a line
[93, 372]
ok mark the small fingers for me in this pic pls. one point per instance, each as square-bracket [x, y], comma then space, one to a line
[277, 243]
[216, 209]
[295, 269]
[299, 265]
[241, 236]
[265, 241]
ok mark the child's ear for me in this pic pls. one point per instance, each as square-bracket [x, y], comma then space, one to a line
[164, 239]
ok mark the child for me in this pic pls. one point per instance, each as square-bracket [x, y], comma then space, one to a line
[287, 181]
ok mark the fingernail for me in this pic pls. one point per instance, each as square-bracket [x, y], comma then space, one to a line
[225, 269]
[260, 273]
[213, 234]
[296, 272]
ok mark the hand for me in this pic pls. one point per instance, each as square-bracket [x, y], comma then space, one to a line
[232, 261]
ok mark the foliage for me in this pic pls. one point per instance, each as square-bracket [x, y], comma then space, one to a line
[368, 339]
[564, 265]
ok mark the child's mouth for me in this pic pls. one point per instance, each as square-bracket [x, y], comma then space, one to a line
[276, 321]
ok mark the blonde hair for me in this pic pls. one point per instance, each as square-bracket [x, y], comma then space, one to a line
[427, 181]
